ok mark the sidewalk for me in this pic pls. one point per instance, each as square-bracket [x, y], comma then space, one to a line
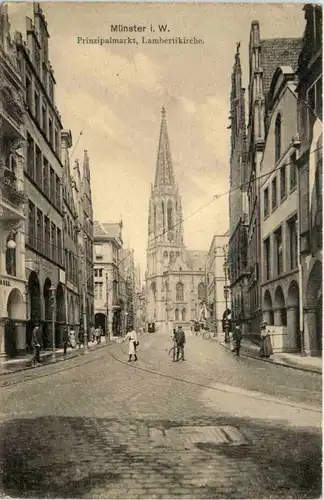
[21, 363]
[305, 363]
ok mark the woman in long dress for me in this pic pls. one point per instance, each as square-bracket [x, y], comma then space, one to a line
[265, 345]
[132, 344]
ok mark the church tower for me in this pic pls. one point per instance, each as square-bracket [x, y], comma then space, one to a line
[165, 228]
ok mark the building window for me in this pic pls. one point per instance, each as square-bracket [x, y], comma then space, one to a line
[274, 193]
[44, 76]
[53, 238]
[292, 230]
[40, 235]
[59, 246]
[267, 259]
[31, 224]
[57, 143]
[179, 292]
[50, 131]
[38, 167]
[266, 202]
[176, 314]
[51, 91]
[201, 292]
[98, 273]
[29, 92]
[169, 215]
[30, 157]
[11, 267]
[47, 230]
[58, 192]
[52, 185]
[37, 107]
[293, 172]
[45, 176]
[98, 251]
[283, 187]
[37, 60]
[100, 294]
[96, 291]
[184, 315]
[278, 138]
[279, 251]
[44, 120]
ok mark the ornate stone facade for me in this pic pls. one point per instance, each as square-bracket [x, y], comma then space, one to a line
[175, 278]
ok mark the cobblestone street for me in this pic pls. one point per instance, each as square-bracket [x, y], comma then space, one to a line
[210, 427]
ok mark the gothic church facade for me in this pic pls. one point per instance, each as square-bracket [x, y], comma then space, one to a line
[175, 277]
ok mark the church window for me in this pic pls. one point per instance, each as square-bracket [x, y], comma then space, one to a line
[184, 315]
[169, 215]
[165, 254]
[163, 217]
[201, 292]
[171, 257]
[178, 254]
[176, 312]
[179, 292]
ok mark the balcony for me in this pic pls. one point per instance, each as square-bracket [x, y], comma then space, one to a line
[12, 112]
[11, 198]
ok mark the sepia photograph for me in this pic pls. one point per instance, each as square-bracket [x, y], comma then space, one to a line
[161, 250]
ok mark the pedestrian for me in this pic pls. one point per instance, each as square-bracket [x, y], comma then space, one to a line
[237, 338]
[72, 338]
[132, 343]
[97, 334]
[36, 345]
[81, 337]
[265, 343]
[66, 340]
[92, 333]
[100, 334]
[180, 340]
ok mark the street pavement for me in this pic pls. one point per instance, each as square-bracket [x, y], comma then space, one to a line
[212, 426]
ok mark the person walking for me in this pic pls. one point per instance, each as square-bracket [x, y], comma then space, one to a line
[265, 344]
[36, 345]
[66, 340]
[132, 343]
[92, 333]
[97, 333]
[181, 340]
[237, 339]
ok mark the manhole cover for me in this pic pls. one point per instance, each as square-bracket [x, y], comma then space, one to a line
[191, 436]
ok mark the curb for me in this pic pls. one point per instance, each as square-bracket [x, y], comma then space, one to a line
[309, 370]
[59, 359]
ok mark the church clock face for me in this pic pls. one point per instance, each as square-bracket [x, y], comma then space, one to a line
[170, 235]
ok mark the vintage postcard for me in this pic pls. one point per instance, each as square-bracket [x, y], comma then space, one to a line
[160, 250]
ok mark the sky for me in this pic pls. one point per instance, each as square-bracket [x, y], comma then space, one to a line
[114, 94]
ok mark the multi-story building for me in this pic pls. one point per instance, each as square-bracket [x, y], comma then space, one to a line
[310, 113]
[218, 300]
[264, 58]
[70, 236]
[107, 262]
[175, 279]
[12, 198]
[128, 279]
[238, 200]
[279, 275]
[43, 183]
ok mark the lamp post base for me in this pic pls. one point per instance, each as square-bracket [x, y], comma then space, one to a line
[85, 340]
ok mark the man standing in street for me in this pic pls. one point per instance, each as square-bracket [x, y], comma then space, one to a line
[36, 345]
[65, 340]
[237, 338]
[181, 340]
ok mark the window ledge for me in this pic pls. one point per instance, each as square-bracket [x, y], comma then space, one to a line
[294, 188]
[283, 199]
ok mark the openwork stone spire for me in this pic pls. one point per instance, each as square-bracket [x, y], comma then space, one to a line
[164, 175]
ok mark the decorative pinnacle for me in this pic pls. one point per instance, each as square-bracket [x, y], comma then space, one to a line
[163, 112]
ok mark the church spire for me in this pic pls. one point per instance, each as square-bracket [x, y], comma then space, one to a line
[164, 175]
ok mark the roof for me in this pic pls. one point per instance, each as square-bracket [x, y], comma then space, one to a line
[196, 259]
[107, 229]
[278, 52]
[164, 175]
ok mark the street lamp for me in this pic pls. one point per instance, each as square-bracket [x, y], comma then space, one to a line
[226, 294]
[53, 292]
[84, 294]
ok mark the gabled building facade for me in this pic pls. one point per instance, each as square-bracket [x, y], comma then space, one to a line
[310, 160]
[109, 307]
[238, 200]
[44, 257]
[264, 58]
[12, 198]
[175, 279]
[280, 273]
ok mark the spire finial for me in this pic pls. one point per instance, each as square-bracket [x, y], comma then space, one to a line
[238, 45]
[163, 112]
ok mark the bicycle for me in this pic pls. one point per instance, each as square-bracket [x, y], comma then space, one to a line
[173, 353]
